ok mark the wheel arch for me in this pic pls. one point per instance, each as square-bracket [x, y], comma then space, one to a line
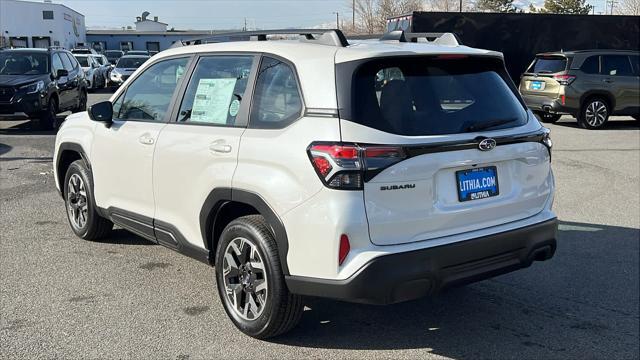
[68, 152]
[224, 205]
[607, 96]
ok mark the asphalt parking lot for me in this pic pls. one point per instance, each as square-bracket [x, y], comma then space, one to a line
[125, 297]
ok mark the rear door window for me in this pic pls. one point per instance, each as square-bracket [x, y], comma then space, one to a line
[635, 63]
[616, 65]
[548, 65]
[216, 90]
[429, 96]
[66, 62]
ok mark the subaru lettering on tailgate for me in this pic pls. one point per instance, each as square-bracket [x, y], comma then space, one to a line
[477, 183]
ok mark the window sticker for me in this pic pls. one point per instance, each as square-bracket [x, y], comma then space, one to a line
[212, 100]
[234, 107]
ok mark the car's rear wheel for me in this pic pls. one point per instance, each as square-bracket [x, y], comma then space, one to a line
[83, 217]
[546, 117]
[594, 113]
[250, 281]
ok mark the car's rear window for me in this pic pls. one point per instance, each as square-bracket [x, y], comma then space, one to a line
[83, 60]
[548, 65]
[419, 96]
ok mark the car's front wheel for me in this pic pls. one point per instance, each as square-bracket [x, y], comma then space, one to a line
[49, 118]
[83, 217]
[594, 114]
[82, 102]
[250, 281]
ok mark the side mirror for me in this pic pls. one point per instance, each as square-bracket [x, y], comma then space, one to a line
[101, 112]
[61, 73]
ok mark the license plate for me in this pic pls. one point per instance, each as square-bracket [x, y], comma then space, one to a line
[536, 85]
[477, 183]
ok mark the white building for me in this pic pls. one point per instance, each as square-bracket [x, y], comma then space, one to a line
[144, 24]
[40, 24]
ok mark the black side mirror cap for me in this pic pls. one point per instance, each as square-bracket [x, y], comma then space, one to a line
[101, 112]
[61, 73]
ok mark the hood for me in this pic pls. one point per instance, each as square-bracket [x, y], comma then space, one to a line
[18, 80]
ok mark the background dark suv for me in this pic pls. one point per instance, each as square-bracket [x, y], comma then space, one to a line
[590, 85]
[40, 83]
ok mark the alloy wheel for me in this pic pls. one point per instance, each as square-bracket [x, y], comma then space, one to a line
[596, 113]
[245, 278]
[77, 201]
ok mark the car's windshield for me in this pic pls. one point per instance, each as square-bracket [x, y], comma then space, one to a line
[21, 63]
[418, 96]
[548, 65]
[83, 60]
[131, 62]
[114, 54]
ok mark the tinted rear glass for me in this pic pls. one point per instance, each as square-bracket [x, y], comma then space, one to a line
[591, 65]
[548, 65]
[131, 62]
[83, 60]
[418, 96]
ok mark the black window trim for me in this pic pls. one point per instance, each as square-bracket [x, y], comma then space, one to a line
[244, 105]
[303, 110]
[176, 91]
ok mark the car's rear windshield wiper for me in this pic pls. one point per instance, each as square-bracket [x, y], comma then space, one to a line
[488, 124]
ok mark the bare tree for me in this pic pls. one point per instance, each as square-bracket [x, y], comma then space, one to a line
[628, 7]
[372, 15]
[449, 5]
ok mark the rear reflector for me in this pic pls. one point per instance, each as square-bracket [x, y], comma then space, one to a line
[345, 247]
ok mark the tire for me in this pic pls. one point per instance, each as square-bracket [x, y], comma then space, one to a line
[244, 242]
[548, 118]
[594, 113]
[48, 119]
[82, 102]
[78, 180]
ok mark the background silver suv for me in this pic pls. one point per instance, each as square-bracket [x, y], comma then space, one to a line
[591, 85]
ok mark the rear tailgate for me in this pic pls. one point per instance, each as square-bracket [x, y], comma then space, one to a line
[446, 180]
[539, 79]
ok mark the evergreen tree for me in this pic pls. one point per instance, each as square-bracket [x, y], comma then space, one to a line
[566, 7]
[496, 5]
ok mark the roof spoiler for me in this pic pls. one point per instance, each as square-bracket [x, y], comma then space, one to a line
[331, 37]
[447, 38]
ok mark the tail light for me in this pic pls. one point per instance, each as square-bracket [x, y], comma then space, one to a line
[564, 79]
[347, 166]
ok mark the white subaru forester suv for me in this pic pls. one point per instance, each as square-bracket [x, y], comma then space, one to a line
[372, 171]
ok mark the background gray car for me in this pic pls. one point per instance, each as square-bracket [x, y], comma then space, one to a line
[591, 85]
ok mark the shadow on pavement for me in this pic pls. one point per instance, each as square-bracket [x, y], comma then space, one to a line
[29, 127]
[539, 312]
[4, 148]
[613, 124]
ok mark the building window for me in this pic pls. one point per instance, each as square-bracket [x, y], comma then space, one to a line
[153, 46]
[47, 15]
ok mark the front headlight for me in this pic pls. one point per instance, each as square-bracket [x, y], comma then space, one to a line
[115, 74]
[34, 88]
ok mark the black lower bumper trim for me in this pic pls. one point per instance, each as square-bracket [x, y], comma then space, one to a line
[405, 276]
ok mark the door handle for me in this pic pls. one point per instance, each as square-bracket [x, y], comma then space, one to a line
[146, 139]
[607, 80]
[220, 147]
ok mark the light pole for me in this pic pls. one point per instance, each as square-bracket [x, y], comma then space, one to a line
[337, 19]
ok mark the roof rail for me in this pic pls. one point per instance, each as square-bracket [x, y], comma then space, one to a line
[449, 39]
[331, 37]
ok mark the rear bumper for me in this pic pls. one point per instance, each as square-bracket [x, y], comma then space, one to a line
[405, 276]
[542, 103]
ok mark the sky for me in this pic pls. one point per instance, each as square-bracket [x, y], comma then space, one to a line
[225, 14]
